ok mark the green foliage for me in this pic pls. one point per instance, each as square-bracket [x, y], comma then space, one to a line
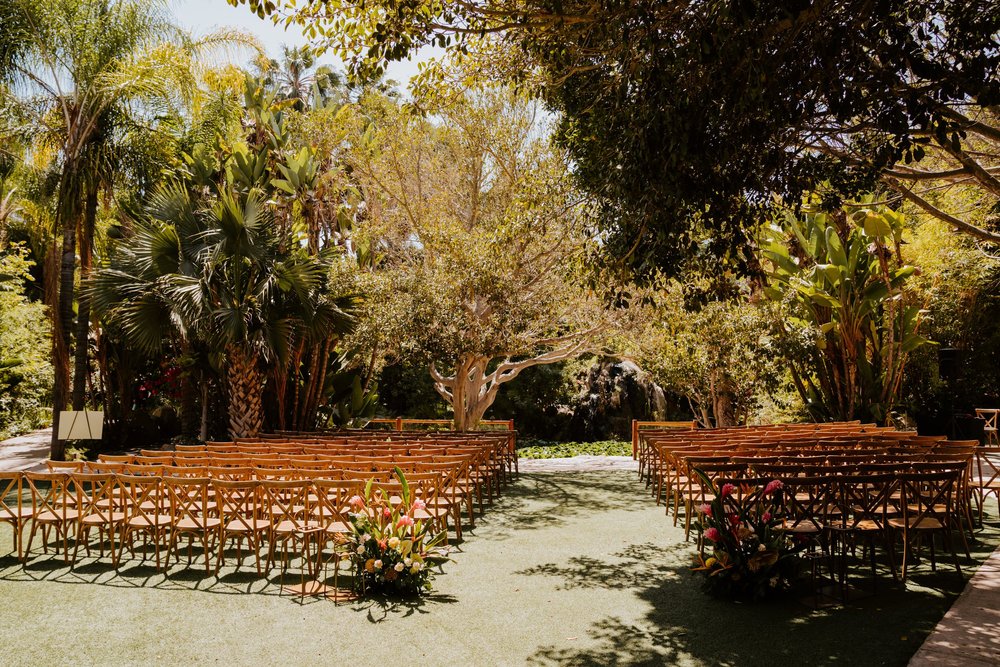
[25, 362]
[548, 449]
[683, 117]
[722, 357]
[851, 326]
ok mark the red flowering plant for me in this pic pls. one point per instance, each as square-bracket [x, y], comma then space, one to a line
[393, 551]
[744, 554]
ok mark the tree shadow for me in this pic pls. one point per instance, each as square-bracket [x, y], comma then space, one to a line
[682, 625]
[547, 500]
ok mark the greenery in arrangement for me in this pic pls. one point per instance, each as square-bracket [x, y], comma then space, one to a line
[391, 545]
[745, 555]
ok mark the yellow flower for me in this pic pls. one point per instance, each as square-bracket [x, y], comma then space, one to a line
[393, 542]
[710, 562]
[370, 565]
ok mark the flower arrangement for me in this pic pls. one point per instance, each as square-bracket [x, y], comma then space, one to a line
[744, 554]
[392, 551]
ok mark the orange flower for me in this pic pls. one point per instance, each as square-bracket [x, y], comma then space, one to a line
[370, 565]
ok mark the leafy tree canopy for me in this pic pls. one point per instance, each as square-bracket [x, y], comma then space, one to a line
[687, 116]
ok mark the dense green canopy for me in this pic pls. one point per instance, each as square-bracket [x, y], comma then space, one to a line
[687, 116]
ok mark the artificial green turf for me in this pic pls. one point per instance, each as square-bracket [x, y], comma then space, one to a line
[569, 568]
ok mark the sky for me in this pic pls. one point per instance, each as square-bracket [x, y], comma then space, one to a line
[204, 16]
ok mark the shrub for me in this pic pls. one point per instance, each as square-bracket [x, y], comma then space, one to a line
[25, 364]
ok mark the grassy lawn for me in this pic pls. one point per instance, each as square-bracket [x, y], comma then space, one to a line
[569, 568]
[550, 449]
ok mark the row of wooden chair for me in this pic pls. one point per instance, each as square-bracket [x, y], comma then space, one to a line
[290, 517]
[831, 511]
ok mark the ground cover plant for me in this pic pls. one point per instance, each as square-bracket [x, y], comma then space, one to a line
[550, 449]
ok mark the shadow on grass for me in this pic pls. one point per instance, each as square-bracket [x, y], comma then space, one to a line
[540, 501]
[685, 626]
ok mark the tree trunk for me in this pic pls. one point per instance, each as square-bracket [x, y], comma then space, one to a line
[245, 385]
[203, 432]
[62, 323]
[81, 352]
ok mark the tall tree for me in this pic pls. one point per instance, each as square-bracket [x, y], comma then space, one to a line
[686, 116]
[475, 228]
[88, 71]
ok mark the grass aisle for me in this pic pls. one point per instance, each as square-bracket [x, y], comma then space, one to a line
[570, 568]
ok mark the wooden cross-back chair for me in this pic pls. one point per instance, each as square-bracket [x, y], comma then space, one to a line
[192, 514]
[145, 513]
[13, 510]
[101, 506]
[240, 515]
[52, 509]
[928, 507]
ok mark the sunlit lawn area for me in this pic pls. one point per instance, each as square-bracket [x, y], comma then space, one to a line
[568, 568]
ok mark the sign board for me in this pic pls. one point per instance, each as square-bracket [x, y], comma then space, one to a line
[84, 425]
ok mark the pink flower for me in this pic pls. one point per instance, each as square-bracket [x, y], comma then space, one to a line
[357, 502]
[419, 504]
[713, 534]
[404, 520]
[765, 517]
[387, 512]
[705, 509]
[727, 490]
[734, 518]
[772, 486]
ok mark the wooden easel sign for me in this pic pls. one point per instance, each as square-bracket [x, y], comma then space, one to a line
[82, 425]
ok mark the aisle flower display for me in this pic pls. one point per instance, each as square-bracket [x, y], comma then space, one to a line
[744, 554]
[392, 551]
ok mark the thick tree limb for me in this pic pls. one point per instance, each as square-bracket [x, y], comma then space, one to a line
[963, 226]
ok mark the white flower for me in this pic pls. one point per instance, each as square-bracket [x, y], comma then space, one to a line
[417, 567]
[399, 567]
[378, 564]
[761, 548]
[407, 562]
[361, 549]
[366, 537]
[393, 542]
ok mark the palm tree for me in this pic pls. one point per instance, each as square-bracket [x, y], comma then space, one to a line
[87, 70]
[222, 273]
[297, 79]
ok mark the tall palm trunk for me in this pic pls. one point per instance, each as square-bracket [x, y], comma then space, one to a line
[62, 314]
[245, 385]
[81, 356]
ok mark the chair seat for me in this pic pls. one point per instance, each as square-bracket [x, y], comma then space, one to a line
[867, 526]
[337, 527]
[149, 520]
[57, 517]
[197, 523]
[16, 513]
[806, 528]
[237, 526]
[97, 519]
[925, 523]
[290, 527]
